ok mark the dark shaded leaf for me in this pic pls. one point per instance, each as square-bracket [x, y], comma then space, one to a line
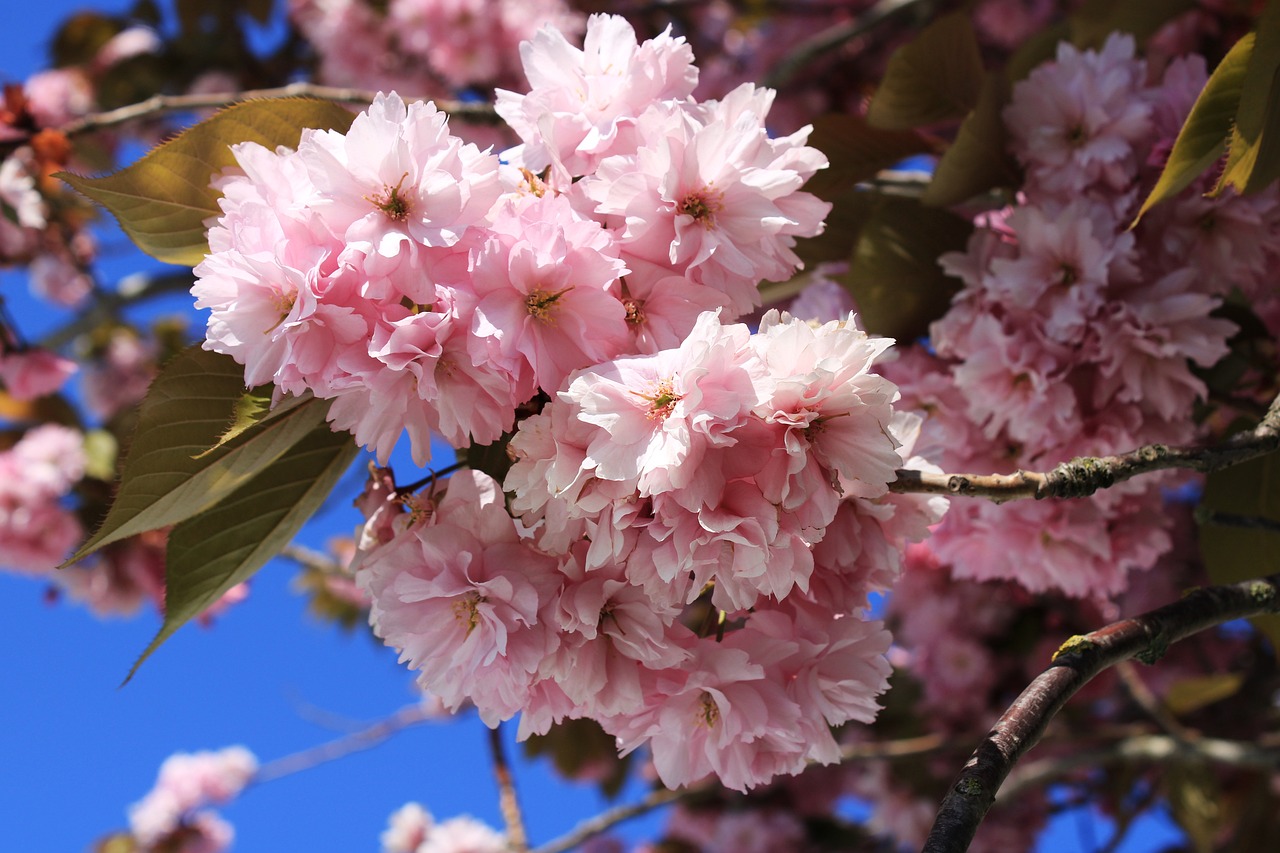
[1231, 553]
[978, 160]
[936, 77]
[857, 151]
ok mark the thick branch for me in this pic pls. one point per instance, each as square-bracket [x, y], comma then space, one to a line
[1143, 637]
[1081, 477]
[163, 104]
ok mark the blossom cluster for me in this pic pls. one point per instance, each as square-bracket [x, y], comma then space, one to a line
[1075, 336]
[676, 475]
[425, 46]
[412, 829]
[36, 530]
[424, 288]
[174, 814]
[666, 576]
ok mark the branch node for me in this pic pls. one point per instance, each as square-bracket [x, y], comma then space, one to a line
[959, 485]
[1152, 653]
[1079, 478]
[1264, 594]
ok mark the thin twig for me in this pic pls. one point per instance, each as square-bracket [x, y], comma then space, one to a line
[605, 821]
[158, 105]
[108, 304]
[1143, 637]
[833, 37]
[1083, 476]
[1151, 703]
[1230, 519]
[1152, 748]
[366, 738]
[508, 802]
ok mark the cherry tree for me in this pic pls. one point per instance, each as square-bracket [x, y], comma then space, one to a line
[833, 391]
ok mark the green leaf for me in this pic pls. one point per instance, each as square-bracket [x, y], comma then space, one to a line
[857, 151]
[1253, 153]
[1188, 695]
[1037, 49]
[893, 270]
[1194, 797]
[978, 160]
[936, 77]
[163, 200]
[1232, 554]
[228, 543]
[167, 477]
[1096, 19]
[252, 408]
[1203, 136]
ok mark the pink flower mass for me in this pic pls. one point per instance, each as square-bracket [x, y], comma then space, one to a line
[667, 460]
[697, 511]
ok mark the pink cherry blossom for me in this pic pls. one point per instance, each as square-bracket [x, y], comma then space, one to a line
[584, 103]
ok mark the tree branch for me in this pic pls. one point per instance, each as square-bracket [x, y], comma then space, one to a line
[831, 38]
[508, 802]
[107, 304]
[1083, 476]
[359, 741]
[1078, 660]
[162, 104]
[603, 822]
[1153, 748]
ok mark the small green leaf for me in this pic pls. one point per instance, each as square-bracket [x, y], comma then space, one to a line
[1253, 152]
[1188, 695]
[101, 451]
[81, 37]
[857, 151]
[167, 476]
[978, 160]
[936, 77]
[1232, 554]
[228, 543]
[163, 200]
[893, 270]
[1203, 136]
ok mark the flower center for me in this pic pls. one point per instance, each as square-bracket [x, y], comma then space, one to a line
[635, 311]
[465, 610]
[702, 205]
[392, 202]
[662, 402]
[708, 711]
[541, 305]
